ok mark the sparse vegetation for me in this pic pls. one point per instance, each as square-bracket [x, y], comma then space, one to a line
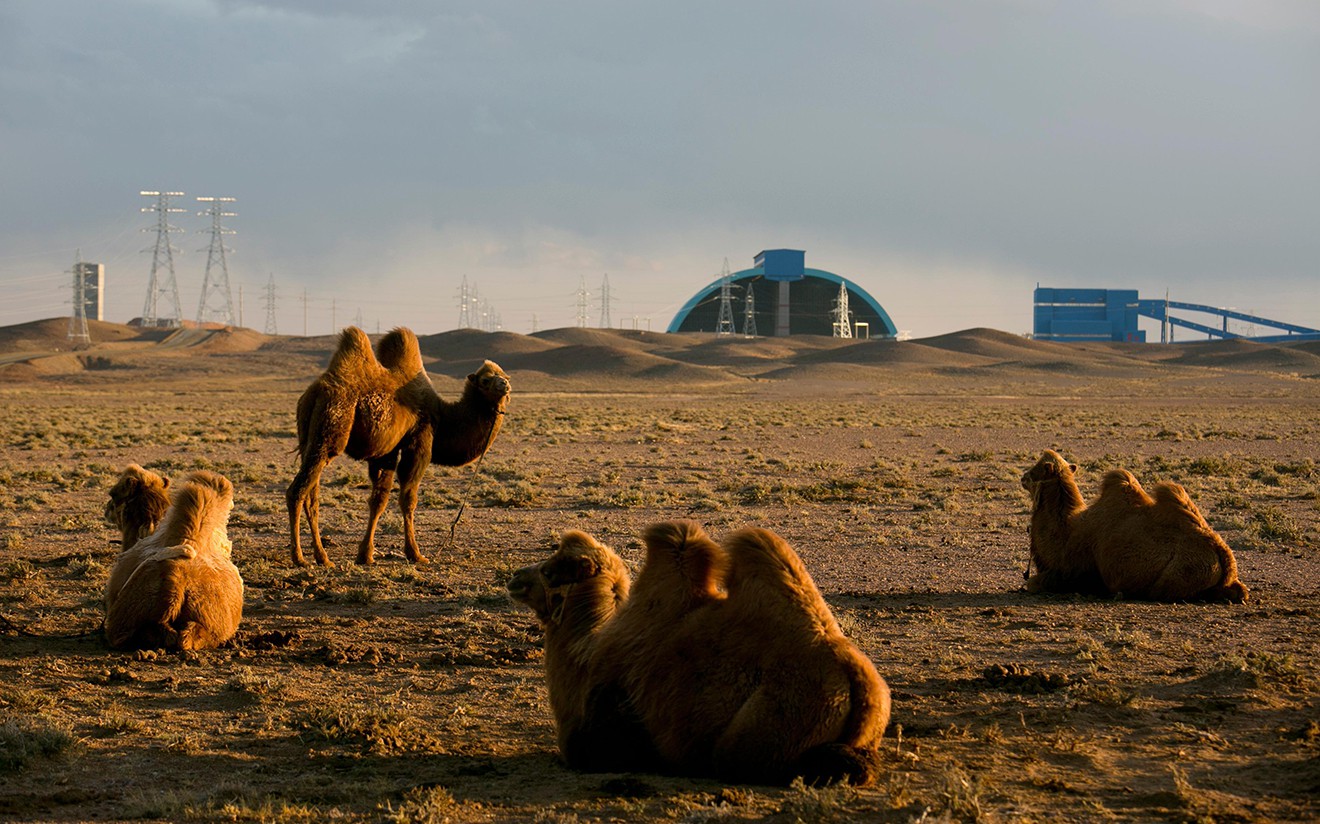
[416, 693]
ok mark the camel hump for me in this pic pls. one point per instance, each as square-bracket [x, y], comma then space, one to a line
[699, 560]
[353, 353]
[1171, 499]
[765, 569]
[1122, 482]
[212, 481]
[400, 352]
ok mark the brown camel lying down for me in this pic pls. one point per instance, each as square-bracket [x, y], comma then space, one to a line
[177, 588]
[1126, 542]
[724, 661]
[138, 501]
[381, 408]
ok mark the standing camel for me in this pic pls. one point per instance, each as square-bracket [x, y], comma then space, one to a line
[381, 408]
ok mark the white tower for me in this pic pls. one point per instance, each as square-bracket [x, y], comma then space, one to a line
[842, 317]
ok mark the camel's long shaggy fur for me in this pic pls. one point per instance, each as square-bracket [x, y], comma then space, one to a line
[575, 592]
[138, 501]
[177, 588]
[729, 661]
[1126, 542]
[381, 408]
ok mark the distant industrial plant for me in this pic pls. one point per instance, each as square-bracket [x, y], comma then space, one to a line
[1112, 315]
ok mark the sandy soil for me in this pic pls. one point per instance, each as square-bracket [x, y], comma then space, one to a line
[415, 693]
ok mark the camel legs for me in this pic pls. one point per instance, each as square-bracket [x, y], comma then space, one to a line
[306, 491]
[413, 460]
[381, 471]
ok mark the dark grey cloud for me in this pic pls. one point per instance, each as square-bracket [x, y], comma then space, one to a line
[977, 147]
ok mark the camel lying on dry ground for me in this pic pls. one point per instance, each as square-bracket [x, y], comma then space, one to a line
[138, 501]
[177, 588]
[381, 408]
[1126, 542]
[724, 661]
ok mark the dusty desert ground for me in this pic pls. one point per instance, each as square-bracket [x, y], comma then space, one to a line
[403, 693]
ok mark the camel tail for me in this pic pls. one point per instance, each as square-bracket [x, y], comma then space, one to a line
[834, 762]
[400, 352]
[854, 755]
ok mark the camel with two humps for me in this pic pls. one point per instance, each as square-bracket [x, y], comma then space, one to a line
[381, 408]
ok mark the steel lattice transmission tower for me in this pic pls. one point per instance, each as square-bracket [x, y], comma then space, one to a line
[605, 301]
[725, 324]
[271, 327]
[749, 314]
[842, 317]
[216, 284]
[582, 295]
[78, 320]
[162, 257]
[467, 300]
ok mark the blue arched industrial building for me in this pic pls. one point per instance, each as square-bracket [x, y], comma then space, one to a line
[787, 299]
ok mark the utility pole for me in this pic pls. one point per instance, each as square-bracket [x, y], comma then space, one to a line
[271, 327]
[162, 258]
[78, 320]
[216, 284]
[304, 311]
[725, 324]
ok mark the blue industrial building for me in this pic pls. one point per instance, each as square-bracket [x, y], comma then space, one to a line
[1112, 315]
[787, 298]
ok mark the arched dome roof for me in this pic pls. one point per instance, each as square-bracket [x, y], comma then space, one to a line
[811, 301]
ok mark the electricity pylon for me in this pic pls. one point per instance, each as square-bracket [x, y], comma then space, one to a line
[842, 317]
[605, 300]
[78, 320]
[582, 295]
[217, 284]
[749, 314]
[725, 324]
[271, 327]
[162, 257]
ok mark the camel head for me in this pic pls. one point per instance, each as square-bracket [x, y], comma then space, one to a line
[581, 568]
[138, 499]
[1050, 467]
[490, 383]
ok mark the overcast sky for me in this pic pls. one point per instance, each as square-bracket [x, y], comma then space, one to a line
[945, 156]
